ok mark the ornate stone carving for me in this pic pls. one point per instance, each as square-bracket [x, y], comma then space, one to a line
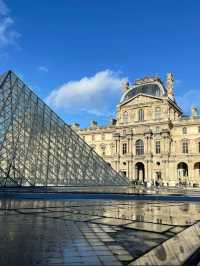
[194, 111]
[170, 85]
[125, 87]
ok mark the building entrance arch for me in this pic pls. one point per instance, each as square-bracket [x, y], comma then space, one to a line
[197, 170]
[140, 172]
[182, 170]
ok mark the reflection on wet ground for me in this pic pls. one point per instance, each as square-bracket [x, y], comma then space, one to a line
[108, 189]
[102, 232]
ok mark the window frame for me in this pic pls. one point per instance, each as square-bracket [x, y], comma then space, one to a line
[139, 147]
[141, 115]
[184, 130]
[125, 117]
[157, 147]
[157, 113]
[124, 148]
[185, 149]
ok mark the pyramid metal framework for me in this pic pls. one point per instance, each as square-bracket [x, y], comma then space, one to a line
[37, 148]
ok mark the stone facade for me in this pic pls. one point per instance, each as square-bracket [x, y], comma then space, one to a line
[150, 140]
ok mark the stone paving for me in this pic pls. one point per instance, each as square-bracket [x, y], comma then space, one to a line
[35, 232]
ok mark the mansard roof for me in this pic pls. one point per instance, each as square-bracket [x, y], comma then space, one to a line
[150, 86]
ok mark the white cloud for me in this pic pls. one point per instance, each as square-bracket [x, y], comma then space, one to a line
[43, 69]
[93, 95]
[7, 34]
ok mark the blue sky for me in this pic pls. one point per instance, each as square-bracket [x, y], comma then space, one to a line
[75, 54]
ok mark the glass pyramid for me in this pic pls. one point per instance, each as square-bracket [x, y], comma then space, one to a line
[37, 148]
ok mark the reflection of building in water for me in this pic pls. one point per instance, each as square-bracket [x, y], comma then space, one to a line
[150, 140]
[171, 214]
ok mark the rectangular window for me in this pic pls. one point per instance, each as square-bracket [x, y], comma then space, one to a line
[157, 147]
[124, 148]
[184, 130]
[139, 147]
[141, 115]
[185, 147]
[125, 117]
[157, 113]
[199, 147]
[199, 129]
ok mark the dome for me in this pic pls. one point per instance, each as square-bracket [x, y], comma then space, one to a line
[154, 89]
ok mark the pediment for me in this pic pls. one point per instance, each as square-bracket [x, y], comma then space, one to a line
[141, 99]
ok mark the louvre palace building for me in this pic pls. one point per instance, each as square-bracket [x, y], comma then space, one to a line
[151, 141]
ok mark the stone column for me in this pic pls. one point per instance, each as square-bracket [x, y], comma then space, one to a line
[128, 170]
[116, 151]
[175, 171]
[147, 170]
[165, 171]
[131, 169]
[151, 145]
[191, 172]
[149, 165]
[145, 145]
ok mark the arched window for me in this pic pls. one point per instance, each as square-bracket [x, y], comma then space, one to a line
[182, 169]
[139, 145]
[185, 146]
[157, 113]
[140, 115]
[125, 117]
[197, 169]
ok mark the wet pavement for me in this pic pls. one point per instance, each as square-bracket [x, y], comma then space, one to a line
[127, 190]
[98, 232]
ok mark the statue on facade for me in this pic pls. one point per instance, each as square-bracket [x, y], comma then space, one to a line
[194, 111]
[125, 87]
[170, 85]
